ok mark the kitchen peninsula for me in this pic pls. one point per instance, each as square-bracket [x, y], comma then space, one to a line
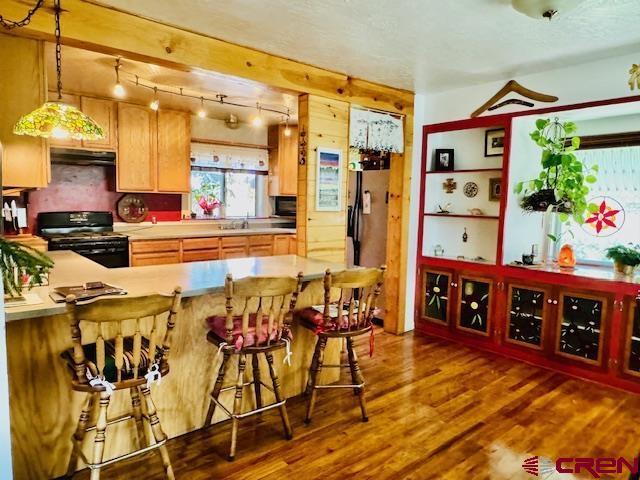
[37, 334]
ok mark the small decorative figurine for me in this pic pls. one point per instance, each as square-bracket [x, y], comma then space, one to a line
[476, 211]
[634, 76]
[444, 209]
[449, 186]
[566, 257]
[465, 237]
[470, 189]
[438, 251]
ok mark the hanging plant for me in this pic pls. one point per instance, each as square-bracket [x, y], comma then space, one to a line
[21, 265]
[562, 184]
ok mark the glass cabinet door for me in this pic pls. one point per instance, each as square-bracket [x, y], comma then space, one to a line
[435, 300]
[580, 327]
[526, 315]
[474, 304]
[632, 351]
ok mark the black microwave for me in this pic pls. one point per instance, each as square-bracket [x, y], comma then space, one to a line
[285, 206]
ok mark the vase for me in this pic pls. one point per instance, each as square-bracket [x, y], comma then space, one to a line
[626, 270]
[549, 227]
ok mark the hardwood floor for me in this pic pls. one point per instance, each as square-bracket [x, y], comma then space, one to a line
[438, 410]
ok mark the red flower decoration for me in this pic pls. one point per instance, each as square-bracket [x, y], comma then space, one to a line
[604, 217]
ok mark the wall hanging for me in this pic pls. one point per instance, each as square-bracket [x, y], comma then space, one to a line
[329, 180]
[370, 130]
[513, 87]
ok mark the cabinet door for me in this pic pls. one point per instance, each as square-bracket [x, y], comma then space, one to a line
[288, 168]
[581, 324]
[25, 160]
[261, 251]
[527, 315]
[74, 101]
[281, 244]
[104, 114]
[474, 304]
[632, 342]
[160, 258]
[436, 294]
[293, 245]
[200, 255]
[233, 252]
[174, 152]
[136, 164]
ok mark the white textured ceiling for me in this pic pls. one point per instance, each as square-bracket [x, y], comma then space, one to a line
[420, 45]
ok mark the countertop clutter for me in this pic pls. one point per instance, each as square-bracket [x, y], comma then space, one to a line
[196, 278]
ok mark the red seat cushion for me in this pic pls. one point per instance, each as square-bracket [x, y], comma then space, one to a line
[314, 319]
[218, 326]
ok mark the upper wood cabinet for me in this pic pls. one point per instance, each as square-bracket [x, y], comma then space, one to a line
[174, 151]
[104, 113]
[25, 160]
[137, 149]
[283, 161]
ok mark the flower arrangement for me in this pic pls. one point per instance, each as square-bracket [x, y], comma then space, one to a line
[626, 258]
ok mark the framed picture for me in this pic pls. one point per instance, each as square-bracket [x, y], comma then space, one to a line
[495, 189]
[494, 142]
[444, 160]
[329, 180]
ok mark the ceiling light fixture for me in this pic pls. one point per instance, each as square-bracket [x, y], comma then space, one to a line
[118, 89]
[257, 121]
[155, 103]
[56, 119]
[202, 112]
[548, 9]
[287, 130]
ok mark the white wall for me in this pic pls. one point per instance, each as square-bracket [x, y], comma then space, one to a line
[600, 80]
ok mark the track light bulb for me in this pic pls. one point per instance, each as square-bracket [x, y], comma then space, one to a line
[287, 131]
[202, 113]
[155, 104]
[118, 90]
[257, 121]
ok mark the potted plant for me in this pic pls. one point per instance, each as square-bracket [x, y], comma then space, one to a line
[562, 184]
[625, 258]
[21, 265]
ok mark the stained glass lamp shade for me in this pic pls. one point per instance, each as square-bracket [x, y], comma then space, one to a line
[58, 120]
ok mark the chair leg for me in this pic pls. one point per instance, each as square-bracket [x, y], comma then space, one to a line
[256, 379]
[237, 405]
[79, 434]
[137, 415]
[101, 427]
[313, 376]
[354, 376]
[157, 431]
[357, 375]
[313, 367]
[215, 393]
[288, 432]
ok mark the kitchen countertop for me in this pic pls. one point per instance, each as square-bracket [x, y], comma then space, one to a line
[161, 232]
[195, 278]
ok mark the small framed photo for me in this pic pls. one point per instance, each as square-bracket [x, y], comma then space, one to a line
[494, 142]
[444, 160]
[495, 189]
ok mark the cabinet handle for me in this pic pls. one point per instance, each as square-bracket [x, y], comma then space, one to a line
[620, 304]
[454, 284]
[555, 302]
[549, 301]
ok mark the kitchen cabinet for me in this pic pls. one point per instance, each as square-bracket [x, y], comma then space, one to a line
[474, 304]
[528, 315]
[137, 149]
[281, 244]
[200, 249]
[261, 245]
[174, 152]
[105, 113]
[436, 290]
[154, 252]
[293, 245]
[234, 247]
[283, 161]
[25, 159]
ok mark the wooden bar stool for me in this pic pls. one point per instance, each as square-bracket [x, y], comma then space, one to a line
[258, 324]
[121, 346]
[348, 317]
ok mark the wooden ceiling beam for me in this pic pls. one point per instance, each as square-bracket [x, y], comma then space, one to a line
[107, 30]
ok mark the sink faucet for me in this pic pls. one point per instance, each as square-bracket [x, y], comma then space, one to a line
[245, 222]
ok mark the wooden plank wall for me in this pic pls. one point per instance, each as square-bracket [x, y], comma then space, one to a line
[324, 123]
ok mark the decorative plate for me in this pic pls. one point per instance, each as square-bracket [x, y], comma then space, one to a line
[470, 189]
[132, 209]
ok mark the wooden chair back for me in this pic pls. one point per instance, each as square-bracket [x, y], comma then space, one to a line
[114, 321]
[271, 299]
[358, 292]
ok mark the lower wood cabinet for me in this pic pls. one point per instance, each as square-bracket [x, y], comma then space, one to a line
[475, 295]
[436, 292]
[528, 311]
[631, 360]
[158, 252]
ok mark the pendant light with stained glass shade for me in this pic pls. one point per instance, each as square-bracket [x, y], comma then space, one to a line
[57, 119]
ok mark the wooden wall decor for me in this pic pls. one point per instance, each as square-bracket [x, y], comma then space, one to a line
[514, 87]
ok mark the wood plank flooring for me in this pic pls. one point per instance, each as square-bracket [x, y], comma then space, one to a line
[438, 410]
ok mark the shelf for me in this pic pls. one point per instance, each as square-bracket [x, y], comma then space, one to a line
[454, 215]
[437, 258]
[471, 170]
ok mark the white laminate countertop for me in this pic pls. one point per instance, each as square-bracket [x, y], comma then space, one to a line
[160, 232]
[195, 278]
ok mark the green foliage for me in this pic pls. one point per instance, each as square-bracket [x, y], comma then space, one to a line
[32, 263]
[627, 255]
[562, 171]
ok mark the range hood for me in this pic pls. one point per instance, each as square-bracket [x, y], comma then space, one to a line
[72, 156]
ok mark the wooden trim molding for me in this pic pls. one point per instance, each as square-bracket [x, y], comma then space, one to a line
[611, 140]
[225, 143]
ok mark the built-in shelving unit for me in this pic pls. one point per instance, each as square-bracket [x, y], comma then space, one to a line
[469, 170]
